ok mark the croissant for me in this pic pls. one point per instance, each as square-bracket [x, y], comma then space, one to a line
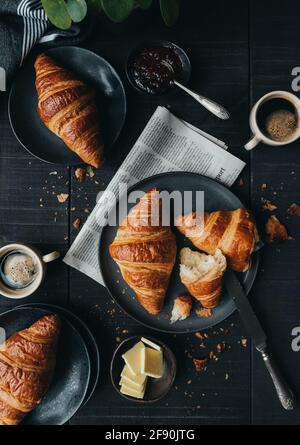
[145, 252]
[27, 361]
[233, 232]
[67, 107]
[202, 275]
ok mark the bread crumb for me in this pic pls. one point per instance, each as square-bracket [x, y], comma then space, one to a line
[267, 205]
[276, 230]
[62, 197]
[90, 171]
[80, 174]
[244, 342]
[200, 364]
[77, 223]
[294, 209]
[203, 312]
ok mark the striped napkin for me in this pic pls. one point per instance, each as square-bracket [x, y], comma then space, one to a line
[23, 23]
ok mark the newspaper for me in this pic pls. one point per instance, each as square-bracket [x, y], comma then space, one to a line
[167, 144]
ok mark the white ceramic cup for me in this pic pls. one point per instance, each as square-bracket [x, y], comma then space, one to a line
[257, 135]
[40, 262]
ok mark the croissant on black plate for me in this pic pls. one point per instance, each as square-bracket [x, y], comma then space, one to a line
[67, 107]
[27, 362]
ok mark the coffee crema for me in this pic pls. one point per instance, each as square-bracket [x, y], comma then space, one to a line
[18, 270]
[277, 119]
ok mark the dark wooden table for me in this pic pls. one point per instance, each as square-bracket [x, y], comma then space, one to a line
[239, 51]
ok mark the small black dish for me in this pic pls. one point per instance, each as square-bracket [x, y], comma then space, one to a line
[72, 372]
[87, 336]
[185, 61]
[22, 105]
[156, 388]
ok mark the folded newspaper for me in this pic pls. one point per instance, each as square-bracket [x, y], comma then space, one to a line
[167, 144]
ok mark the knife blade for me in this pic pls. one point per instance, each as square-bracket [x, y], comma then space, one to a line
[256, 332]
[247, 314]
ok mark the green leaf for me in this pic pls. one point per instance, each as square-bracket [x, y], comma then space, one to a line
[57, 12]
[170, 11]
[77, 10]
[118, 10]
[94, 5]
[144, 4]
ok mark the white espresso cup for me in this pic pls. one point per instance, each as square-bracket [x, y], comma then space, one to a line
[39, 261]
[257, 133]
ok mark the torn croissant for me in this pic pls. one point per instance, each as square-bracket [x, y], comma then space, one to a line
[202, 275]
[233, 232]
[182, 308]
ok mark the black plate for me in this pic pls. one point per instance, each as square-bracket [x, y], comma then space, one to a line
[22, 107]
[156, 388]
[72, 372]
[88, 338]
[216, 197]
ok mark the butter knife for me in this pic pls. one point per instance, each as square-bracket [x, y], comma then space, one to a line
[259, 338]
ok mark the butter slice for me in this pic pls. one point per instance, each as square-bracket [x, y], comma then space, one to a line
[150, 343]
[132, 392]
[130, 384]
[133, 358]
[152, 363]
[129, 379]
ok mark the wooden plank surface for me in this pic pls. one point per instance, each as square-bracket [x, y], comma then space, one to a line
[274, 52]
[219, 53]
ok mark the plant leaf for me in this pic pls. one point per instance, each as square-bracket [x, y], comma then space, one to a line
[57, 13]
[77, 10]
[144, 4]
[117, 10]
[170, 11]
[94, 5]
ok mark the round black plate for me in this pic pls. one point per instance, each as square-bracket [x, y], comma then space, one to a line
[72, 372]
[22, 106]
[156, 388]
[87, 336]
[216, 197]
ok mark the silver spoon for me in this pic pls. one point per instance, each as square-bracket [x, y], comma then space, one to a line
[209, 104]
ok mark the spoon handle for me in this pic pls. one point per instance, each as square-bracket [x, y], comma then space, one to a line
[209, 104]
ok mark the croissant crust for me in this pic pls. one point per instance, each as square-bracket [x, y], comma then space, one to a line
[233, 232]
[27, 361]
[67, 107]
[145, 254]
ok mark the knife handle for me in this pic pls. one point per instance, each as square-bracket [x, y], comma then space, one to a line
[284, 392]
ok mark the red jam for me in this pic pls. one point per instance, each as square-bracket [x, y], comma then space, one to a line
[150, 74]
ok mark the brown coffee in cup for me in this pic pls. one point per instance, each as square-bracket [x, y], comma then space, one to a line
[277, 119]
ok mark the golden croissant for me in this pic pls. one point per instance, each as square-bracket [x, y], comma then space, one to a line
[145, 253]
[27, 361]
[233, 232]
[202, 275]
[67, 107]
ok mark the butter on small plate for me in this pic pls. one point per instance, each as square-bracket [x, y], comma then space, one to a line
[143, 369]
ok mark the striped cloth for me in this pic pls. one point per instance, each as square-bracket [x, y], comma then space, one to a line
[23, 23]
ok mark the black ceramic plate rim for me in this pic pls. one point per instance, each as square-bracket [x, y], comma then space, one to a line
[79, 160]
[160, 343]
[165, 43]
[18, 308]
[255, 262]
[84, 325]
